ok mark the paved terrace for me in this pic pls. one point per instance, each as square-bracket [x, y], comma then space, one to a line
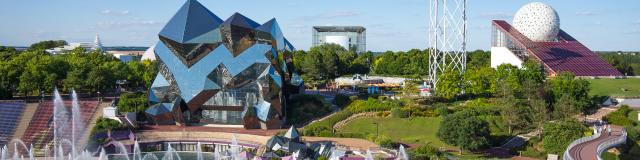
[244, 136]
[588, 150]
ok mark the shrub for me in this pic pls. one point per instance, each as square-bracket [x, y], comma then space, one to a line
[385, 142]
[353, 98]
[303, 108]
[342, 100]
[399, 113]
[106, 124]
[314, 129]
[442, 110]
[619, 117]
[425, 151]
[372, 105]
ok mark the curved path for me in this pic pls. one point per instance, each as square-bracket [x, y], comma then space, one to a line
[588, 150]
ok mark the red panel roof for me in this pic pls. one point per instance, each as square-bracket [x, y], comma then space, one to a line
[567, 54]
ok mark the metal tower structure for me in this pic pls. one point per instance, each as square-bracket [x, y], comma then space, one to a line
[447, 37]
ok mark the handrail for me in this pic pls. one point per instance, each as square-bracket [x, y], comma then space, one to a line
[610, 143]
[567, 155]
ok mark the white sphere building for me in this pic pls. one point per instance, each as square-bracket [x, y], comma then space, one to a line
[536, 35]
[538, 21]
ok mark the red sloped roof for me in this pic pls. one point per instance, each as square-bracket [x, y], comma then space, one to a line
[567, 54]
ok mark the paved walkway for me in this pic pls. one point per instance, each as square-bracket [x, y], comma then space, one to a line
[587, 150]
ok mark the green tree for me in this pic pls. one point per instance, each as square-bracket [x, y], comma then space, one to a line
[100, 79]
[481, 81]
[449, 84]
[558, 135]
[47, 44]
[132, 102]
[465, 130]
[567, 93]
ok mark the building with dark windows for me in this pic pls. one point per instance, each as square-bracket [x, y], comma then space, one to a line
[231, 72]
[536, 35]
[350, 37]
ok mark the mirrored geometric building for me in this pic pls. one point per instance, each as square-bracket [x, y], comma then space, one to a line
[232, 72]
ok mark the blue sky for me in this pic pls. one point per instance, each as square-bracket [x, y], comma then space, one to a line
[391, 24]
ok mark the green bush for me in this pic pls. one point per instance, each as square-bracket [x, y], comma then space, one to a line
[399, 113]
[372, 105]
[425, 152]
[303, 108]
[342, 100]
[619, 117]
[314, 129]
[442, 110]
[106, 124]
[385, 142]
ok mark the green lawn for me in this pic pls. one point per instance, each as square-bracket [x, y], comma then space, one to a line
[420, 130]
[615, 87]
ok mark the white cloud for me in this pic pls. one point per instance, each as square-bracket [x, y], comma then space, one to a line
[585, 13]
[115, 13]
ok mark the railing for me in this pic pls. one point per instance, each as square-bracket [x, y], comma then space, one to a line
[610, 143]
[567, 154]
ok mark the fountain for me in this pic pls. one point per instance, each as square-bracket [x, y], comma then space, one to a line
[199, 151]
[150, 156]
[369, 156]
[121, 150]
[169, 154]
[136, 151]
[76, 121]
[103, 154]
[402, 154]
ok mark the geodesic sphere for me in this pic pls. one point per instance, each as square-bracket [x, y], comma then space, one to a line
[538, 21]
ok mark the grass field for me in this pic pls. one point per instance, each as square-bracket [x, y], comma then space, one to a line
[615, 87]
[420, 130]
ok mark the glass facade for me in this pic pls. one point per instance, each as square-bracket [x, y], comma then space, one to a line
[214, 71]
[350, 37]
[500, 39]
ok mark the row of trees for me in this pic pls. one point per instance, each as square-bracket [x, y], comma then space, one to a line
[627, 64]
[33, 71]
[328, 61]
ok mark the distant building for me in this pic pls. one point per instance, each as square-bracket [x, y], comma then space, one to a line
[349, 37]
[89, 46]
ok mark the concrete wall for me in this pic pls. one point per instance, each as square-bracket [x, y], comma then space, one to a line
[502, 55]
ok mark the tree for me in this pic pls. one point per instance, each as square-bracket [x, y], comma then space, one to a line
[132, 102]
[478, 59]
[449, 84]
[100, 79]
[465, 130]
[481, 81]
[558, 135]
[509, 75]
[47, 44]
[567, 93]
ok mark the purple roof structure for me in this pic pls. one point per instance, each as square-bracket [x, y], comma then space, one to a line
[564, 55]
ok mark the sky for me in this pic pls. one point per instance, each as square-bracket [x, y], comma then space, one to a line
[396, 25]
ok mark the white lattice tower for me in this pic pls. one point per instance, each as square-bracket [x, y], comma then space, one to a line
[447, 37]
